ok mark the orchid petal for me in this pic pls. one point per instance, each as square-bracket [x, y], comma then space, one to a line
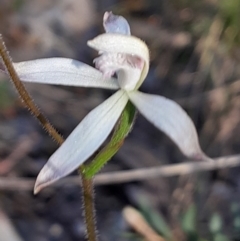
[83, 141]
[115, 24]
[170, 118]
[63, 71]
[123, 44]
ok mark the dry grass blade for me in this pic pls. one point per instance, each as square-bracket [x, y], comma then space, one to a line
[139, 224]
[132, 175]
[7, 231]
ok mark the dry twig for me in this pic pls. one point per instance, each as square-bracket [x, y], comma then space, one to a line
[131, 175]
[23, 147]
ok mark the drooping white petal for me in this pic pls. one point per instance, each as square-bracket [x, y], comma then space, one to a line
[123, 44]
[83, 141]
[115, 24]
[63, 71]
[170, 118]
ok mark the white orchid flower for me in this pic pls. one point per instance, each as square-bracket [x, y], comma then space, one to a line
[127, 57]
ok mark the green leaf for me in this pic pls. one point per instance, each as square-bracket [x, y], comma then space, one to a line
[155, 219]
[235, 208]
[215, 224]
[220, 237]
[236, 223]
[189, 220]
[122, 129]
[6, 97]
[131, 236]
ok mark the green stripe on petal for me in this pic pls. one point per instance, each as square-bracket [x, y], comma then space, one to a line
[86, 138]
[121, 131]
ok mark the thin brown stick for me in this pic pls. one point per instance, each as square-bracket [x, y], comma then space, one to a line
[192, 101]
[87, 185]
[23, 147]
[27, 99]
[7, 183]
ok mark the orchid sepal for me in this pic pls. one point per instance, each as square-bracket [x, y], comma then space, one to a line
[170, 118]
[83, 141]
[63, 71]
[115, 24]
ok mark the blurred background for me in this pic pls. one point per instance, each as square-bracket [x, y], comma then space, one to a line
[195, 60]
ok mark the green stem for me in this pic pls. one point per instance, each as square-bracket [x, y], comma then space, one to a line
[87, 184]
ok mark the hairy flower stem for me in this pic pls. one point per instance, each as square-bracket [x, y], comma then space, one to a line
[89, 209]
[27, 99]
[87, 184]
